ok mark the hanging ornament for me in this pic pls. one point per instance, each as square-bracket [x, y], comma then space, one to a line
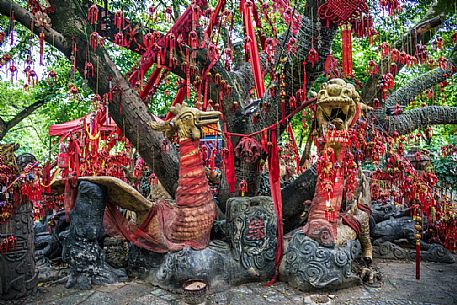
[442, 62]
[292, 46]
[119, 20]
[384, 48]
[331, 67]
[92, 14]
[439, 43]
[270, 48]
[94, 40]
[13, 71]
[41, 39]
[169, 14]
[362, 25]
[52, 75]
[193, 40]
[313, 57]
[73, 91]
[421, 53]
[243, 187]
[88, 70]
[391, 6]
[372, 68]
[347, 49]
[372, 36]
[393, 68]
[32, 78]
[340, 11]
[395, 55]
[119, 39]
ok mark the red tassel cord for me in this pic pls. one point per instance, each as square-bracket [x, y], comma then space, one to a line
[243, 187]
[12, 19]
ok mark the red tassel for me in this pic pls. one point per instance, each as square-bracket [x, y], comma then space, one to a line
[304, 81]
[229, 162]
[92, 15]
[347, 49]
[41, 47]
[119, 19]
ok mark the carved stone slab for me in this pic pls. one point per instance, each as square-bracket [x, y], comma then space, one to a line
[308, 266]
[18, 276]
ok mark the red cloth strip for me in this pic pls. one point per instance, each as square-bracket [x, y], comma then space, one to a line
[219, 7]
[153, 81]
[178, 100]
[275, 185]
[229, 162]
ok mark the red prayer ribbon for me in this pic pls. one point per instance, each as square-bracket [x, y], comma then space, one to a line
[253, 51]
[275, 186]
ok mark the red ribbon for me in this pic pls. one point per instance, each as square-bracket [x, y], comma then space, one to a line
[251, 44]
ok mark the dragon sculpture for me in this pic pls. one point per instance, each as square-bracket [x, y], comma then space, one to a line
[338, 108]
[165, 224]
[190, 218]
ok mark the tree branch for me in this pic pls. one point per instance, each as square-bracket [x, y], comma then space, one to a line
[24, 113]
[418, 118]
[404, 95]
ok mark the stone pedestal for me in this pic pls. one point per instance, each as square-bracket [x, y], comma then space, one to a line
[18, 277]
[309, 266]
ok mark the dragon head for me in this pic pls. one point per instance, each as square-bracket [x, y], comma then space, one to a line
[338, 105]
[187, 122]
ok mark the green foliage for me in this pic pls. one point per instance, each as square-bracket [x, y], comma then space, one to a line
[446, 171]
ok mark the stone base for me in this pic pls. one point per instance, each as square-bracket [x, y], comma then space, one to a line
[214, 265]
[435, 253]
[308, 266]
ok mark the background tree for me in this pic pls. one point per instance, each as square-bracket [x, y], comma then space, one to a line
[422, 23]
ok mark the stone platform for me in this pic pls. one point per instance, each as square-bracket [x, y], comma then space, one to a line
[399, 287]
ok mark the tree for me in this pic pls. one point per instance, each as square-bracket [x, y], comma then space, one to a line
[69, 29]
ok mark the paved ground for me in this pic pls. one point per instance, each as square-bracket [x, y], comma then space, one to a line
[438, 285]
